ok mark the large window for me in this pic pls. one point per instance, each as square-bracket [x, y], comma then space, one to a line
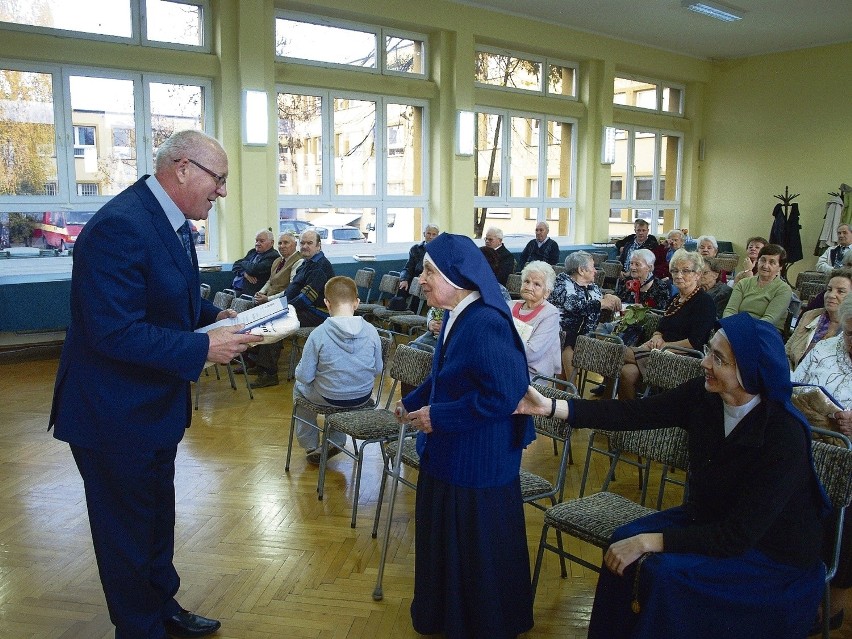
[524, 168]
[315, 40]
[169, 23]
[645, 182]
[112, 143]
[353, 160]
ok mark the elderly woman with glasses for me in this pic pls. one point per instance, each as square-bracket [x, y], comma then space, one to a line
[766, 296]
[687, 322]
[471, 567]
[829, 364]
[537, 320]
[664, 252]
[710, 282]
[579, 301]
[738, 559]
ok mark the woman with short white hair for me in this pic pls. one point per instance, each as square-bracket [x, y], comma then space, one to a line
[537, 320]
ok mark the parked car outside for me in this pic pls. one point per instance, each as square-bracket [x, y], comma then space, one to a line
[340, 235]
[293, 226]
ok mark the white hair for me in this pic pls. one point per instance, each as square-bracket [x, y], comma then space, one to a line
[537, 266]
[495, 232]
[707, 238]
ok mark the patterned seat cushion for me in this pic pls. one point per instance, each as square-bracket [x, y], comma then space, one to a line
[594, 518]
[365, 424]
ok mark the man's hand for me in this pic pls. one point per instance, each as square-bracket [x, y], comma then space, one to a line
[403, 285]
[260, 298]
[226, 343]
[228, 312]
[250, 278]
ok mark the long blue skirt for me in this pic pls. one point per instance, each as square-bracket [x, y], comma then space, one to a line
[696, 596]
[471, 568]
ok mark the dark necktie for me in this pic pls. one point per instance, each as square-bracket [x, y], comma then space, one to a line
[186, 239]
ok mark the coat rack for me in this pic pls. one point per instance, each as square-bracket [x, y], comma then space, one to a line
[783, 230]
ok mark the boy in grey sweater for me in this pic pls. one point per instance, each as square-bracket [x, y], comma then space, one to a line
[339, 364]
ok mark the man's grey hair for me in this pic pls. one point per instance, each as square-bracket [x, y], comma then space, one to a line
[270, 237]
[707, 238]
[544, 269]
[545, 225]
[184, 144]
[434, 227]
[577, 260]
[675, 233]
[498, 233]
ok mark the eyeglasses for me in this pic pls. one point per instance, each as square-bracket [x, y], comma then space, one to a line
[220, 179]
[718, 361]
[681, 271]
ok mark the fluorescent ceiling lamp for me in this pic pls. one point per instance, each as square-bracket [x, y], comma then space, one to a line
[255, 118]
[465, 131]
[608, 145]
[713, 10]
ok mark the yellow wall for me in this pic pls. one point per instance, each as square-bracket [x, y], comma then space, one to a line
[770, 122]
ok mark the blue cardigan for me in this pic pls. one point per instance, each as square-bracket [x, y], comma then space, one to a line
[476, 383]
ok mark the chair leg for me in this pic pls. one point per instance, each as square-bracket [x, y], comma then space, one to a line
[537, 570]
[290, 441]
[359, 464]
[559, 545]
[245, 375]
[231, 376]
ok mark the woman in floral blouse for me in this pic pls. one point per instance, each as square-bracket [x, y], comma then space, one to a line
[642, 287]
[579, 301]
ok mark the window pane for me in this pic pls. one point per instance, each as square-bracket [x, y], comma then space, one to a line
[487, 157]
[561, 80]
[518, 222]
[507, 71]
[635, 93]
[299, 144]
[670, 151]
[175, 107]
[27, 134]
[643, 163]
[321, 43]
[404, 150]
[102, 17]
[404, 55]
[175, 22]
[524, 170]
[672, 100]
[559, 159]
[559, 220]
[667, 220]
[98, 105]
[354, 147]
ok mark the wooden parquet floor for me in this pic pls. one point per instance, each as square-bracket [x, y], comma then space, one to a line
[254, 546]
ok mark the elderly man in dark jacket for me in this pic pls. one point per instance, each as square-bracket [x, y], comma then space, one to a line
[252, 272]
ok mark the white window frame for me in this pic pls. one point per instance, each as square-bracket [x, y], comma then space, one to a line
[381, 201]
[138, 28]
[66, 187]
[379, 33]
[656, 203]
[545, 66]
[660, 85]
[541, 202]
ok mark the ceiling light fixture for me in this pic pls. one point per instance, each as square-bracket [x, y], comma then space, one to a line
[713, 10]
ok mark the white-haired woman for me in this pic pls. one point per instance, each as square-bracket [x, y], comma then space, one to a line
[688, 320]
[829, 364]
[675, 240]
[642, 287]
[537, 320]
[579, 301]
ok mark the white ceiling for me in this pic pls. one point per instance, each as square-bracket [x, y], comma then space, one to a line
[769, 26]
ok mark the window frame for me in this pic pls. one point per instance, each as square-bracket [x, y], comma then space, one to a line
[545, 62]
[541, 202]
[379, 33]
[381, 201]
[660, 86]
[138, 29]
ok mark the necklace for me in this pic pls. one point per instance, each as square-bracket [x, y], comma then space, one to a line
[677, 303]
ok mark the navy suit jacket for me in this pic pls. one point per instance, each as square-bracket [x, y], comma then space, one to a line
[130, 352]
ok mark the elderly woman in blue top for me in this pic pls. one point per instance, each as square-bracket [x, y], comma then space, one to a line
[742, 557]
[471, 571]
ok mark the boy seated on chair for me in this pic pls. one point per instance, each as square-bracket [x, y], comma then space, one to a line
[339, 364]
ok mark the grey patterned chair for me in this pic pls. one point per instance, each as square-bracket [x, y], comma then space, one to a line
[810, 289]
[205, 291]
[325, 411]
[513, 285]
[383, 316]
[409, 323]
[728, 262]
[594, 518]
[297, 342]
[364, 282]
[612, 271]
[408, 366]
[833, 465]
[388, 286]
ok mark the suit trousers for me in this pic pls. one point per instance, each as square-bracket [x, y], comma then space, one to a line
[130, 497]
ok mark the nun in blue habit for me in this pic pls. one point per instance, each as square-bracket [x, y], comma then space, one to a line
[742, 557]
[472, 574]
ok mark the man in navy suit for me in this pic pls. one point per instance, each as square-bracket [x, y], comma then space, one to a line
[122, 394]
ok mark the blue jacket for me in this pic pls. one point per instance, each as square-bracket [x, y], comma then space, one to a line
[130, 352]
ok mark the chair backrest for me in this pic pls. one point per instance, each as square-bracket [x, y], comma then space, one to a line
[600, 276]
[727, 261]
[810, 276]
[364, 280]
[558, 269]
[387, 341]
[552, 426]
[205, 291]
[668, 446]
[652, 321]
[810, 289]
[409, 366]
[611, 268]
[833, 466]
[603, 357]
[223, 299]
[599, 257]
[668, 369]
[389, 284]
[513, 284]
[241, 304]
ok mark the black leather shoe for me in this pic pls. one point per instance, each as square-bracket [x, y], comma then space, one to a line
[186, 625]
[598, 390]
